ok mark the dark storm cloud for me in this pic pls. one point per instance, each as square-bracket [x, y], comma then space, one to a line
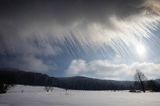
[24, 21]
[32, 28]
[64, 12]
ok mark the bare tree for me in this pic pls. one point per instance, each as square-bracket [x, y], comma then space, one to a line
[140, 78]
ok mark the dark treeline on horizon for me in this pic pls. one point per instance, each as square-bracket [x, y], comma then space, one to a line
[14, 76]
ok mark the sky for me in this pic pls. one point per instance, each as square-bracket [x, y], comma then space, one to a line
[106, 39]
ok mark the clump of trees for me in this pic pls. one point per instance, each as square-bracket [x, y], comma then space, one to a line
[4, 87]
[48, 88]
[142, 84]
[153, 86]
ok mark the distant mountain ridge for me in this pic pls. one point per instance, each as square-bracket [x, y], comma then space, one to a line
[15, 76]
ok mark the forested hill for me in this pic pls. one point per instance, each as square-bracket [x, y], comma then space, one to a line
[14, 76]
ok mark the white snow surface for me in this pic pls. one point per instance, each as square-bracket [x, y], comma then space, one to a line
[37, 96]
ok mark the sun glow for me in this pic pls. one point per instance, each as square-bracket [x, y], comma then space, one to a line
[141, 50]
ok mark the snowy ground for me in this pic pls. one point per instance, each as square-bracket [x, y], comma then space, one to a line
[36, 96]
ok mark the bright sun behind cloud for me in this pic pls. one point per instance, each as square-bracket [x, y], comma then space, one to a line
[141, 50]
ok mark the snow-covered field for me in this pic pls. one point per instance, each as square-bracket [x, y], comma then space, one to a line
[36, 96]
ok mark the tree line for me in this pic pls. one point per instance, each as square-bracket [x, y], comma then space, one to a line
[10, 77]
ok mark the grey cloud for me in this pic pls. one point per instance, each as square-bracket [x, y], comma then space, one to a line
[13, 42]
[25, 50]
[26, 63]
